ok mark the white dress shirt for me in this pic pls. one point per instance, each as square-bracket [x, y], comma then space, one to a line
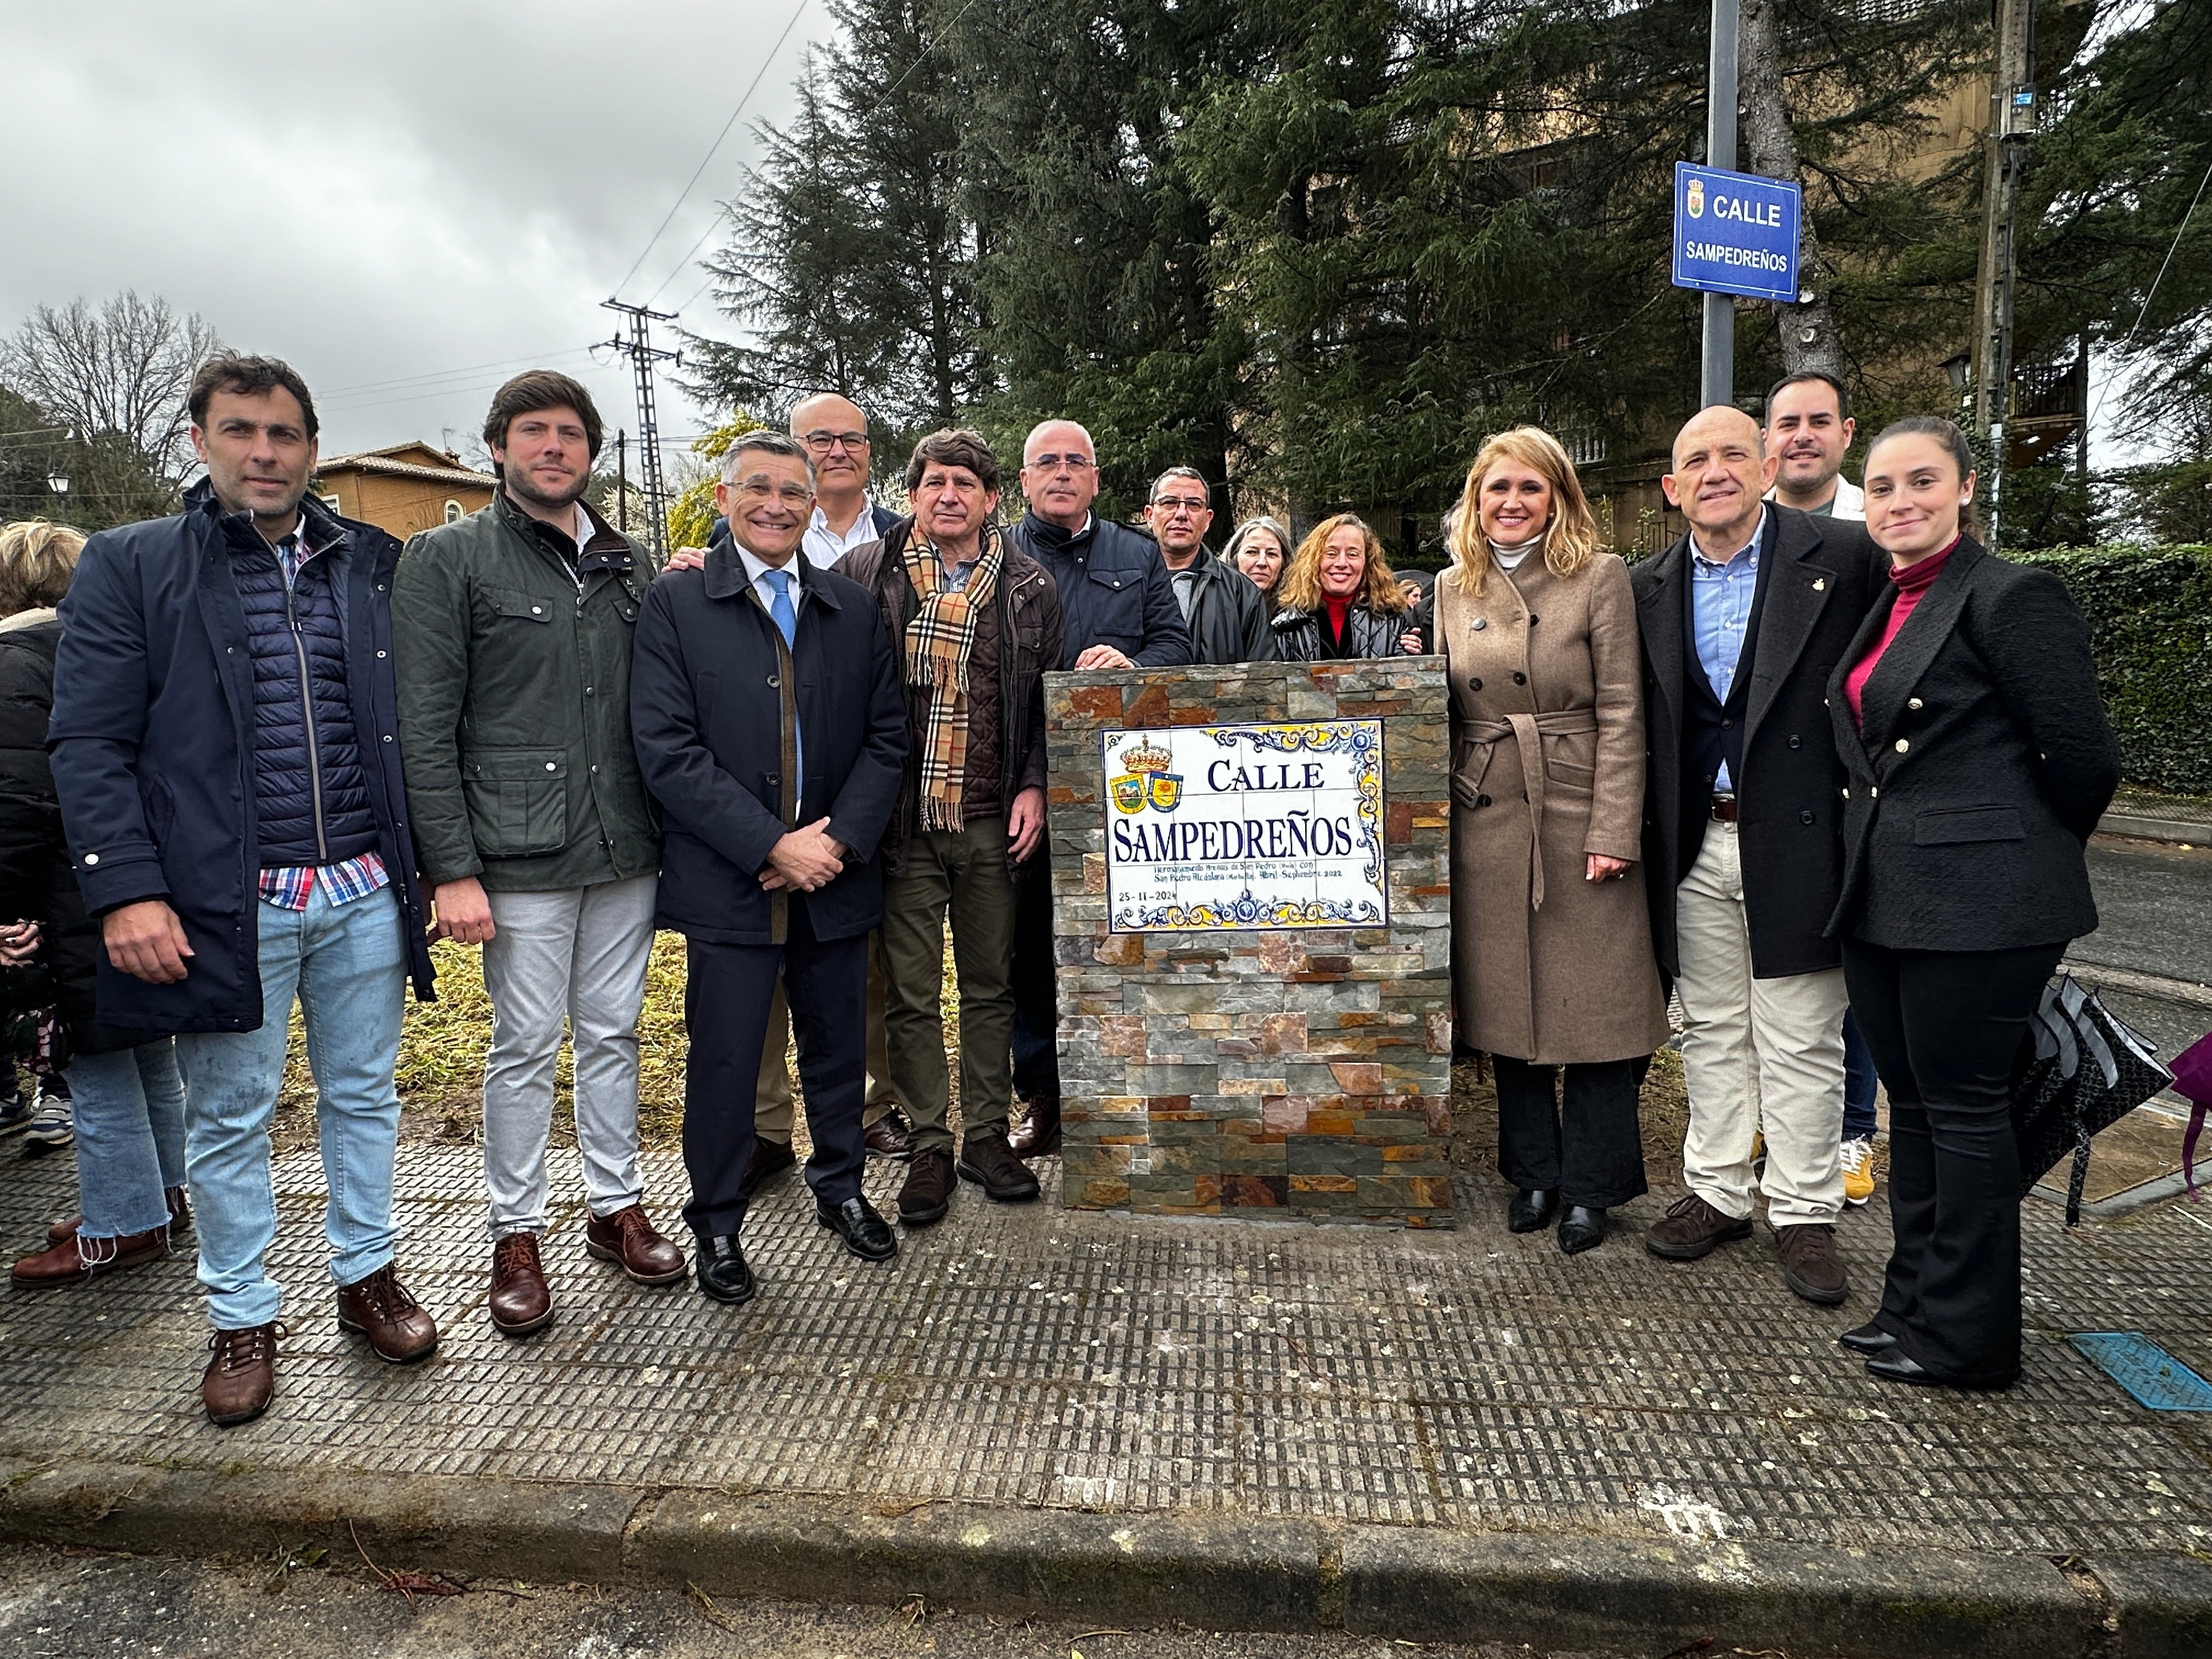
[825, 546]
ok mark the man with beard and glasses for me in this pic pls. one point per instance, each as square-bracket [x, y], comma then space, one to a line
[513, 630]
[224, 751]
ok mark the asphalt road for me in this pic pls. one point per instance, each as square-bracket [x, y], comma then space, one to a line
[61, 1605]
[2154, 905]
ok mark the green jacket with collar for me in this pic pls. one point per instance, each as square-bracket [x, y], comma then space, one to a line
[513, 654]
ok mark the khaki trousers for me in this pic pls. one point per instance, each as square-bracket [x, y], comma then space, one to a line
[1759, 1055]
[774, 1103]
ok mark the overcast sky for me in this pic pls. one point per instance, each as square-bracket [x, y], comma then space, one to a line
[407, 201]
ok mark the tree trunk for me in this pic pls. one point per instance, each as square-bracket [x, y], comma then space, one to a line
[1808, 330]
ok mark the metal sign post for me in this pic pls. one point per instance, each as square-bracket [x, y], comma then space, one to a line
[1717, 376]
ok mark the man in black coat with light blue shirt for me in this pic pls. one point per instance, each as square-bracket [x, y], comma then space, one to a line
[776, 767]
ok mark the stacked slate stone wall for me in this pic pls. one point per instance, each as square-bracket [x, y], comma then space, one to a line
[1264, 1072]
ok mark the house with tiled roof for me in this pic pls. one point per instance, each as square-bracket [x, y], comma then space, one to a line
[403, 487]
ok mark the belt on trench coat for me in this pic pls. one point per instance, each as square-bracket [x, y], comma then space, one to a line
[1528, 731]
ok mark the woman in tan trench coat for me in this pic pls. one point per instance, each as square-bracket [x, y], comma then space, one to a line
[1551, 961]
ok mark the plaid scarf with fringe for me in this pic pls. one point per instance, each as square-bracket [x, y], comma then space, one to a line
[938, 643]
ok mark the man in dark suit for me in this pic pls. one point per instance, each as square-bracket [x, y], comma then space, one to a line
[1742, 619]
[777, 768]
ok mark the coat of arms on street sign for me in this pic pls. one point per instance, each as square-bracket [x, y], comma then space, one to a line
[1272, 826]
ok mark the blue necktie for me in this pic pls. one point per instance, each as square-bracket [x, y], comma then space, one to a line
[786, 619]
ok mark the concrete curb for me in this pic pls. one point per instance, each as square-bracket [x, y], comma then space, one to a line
[2144, 826]
[1216, 1571]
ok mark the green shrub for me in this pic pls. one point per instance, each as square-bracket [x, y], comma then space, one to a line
[2150, 624]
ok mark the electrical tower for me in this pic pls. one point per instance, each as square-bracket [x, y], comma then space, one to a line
[639, 349]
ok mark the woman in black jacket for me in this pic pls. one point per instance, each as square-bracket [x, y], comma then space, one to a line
[130, 1103]
[1340, 600]
[1979, 759]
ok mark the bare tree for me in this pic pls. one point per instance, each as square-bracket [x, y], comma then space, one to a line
[120, 368]
[1808, 330]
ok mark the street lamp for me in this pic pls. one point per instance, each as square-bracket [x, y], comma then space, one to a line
[59, 482]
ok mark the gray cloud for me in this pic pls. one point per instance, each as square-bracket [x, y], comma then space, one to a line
[409, 201]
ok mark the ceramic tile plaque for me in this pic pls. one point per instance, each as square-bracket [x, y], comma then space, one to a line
[1214, 828]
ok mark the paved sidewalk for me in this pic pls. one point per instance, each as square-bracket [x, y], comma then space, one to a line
[1032, 1358]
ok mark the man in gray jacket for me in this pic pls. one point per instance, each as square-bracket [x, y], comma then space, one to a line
[512, 630]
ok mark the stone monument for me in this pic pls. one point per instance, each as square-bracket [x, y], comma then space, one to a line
[1253, 921]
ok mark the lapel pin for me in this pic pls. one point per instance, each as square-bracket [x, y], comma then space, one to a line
[1820, 583]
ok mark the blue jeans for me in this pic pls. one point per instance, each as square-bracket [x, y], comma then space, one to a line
[347, 966]
[1858, 1083]
[130, 1112]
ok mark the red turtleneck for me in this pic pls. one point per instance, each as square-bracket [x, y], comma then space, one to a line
[1912, 582]
[1338, 608]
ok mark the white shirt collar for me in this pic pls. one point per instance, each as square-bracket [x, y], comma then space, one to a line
[757, 571]
[824, 546]
[1758, 535]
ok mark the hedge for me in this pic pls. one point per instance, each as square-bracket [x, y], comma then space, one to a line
[2150, 624]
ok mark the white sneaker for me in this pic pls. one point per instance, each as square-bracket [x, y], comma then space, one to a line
[50, 1124]
[1858, 1171]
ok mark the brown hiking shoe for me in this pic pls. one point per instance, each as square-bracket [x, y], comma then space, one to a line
[241, 1375]
[1038, 1133]
[989, 1162]
[397, 1325]
[181, 1218]
[1810, 1265]
[626, 1237]
[76, 1259]
[520, 1300]
[1692, 1228]
[928, 1189]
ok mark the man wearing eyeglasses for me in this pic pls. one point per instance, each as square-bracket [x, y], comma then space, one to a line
[1227, 615]
[1118, 610]
[835, 433]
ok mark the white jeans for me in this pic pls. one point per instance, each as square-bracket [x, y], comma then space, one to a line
[1757, 1054]
[578, 952]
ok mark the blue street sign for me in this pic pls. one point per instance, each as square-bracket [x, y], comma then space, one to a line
[1736, 233]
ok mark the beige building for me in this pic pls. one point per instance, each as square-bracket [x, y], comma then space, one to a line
[402, 487]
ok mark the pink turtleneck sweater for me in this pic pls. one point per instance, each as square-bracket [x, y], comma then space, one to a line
[1912, 582]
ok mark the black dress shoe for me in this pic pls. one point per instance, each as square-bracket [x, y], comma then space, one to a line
[723, 1273]
[1581, 1228]
[864, 1232]
[1530, 1209]
[1868, 1340]
[1895, 1367]
[770, 1158]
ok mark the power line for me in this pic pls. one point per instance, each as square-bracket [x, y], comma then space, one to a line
[2143, 310]
[708, 157]
[882, 100]
[440, 374]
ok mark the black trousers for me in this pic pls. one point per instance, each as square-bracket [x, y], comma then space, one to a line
[726, 1001]
[1037, 980]
[1944, 1027]
[1588, 1148]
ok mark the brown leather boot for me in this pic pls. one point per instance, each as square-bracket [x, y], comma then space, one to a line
[397, 1325]
[76, 1259]
[627, 1236]
[181, 1218]
[241, 1375]
[522, 1301]
[1038, 1133]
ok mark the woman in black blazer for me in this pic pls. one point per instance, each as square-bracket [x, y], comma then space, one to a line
[1979, 759]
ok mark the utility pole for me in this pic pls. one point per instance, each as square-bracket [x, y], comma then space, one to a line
[622, 481]
[1717, 376]
[639, 349]
[2012, 124]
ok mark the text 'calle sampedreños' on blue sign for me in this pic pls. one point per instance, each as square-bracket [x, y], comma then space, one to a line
[1736, 233]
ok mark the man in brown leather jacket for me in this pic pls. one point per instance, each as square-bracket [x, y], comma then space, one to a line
[976, 622]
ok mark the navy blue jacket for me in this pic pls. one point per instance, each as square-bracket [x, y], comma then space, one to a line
[712, 689]
[153, 746]
[1114, 590]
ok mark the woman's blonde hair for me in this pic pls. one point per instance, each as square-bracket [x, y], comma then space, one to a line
[1300, 586]
[37, 560]
[1569, 538]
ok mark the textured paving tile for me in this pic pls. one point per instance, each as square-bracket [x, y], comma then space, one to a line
[1029, 1355]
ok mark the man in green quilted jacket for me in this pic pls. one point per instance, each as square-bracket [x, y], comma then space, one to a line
[511, 632]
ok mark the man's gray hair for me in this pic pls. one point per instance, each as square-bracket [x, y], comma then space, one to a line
[1190, 472]
[1089, 442]
[771, 443]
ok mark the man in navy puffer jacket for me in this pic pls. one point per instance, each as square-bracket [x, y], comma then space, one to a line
[224, 749]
